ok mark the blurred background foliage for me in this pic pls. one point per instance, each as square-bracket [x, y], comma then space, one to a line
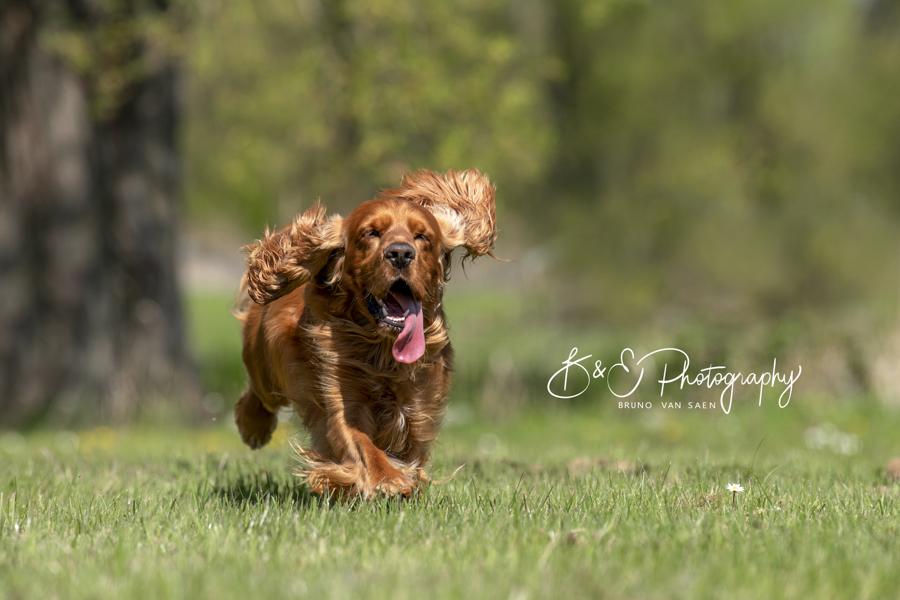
[293, 100]
[723, 177]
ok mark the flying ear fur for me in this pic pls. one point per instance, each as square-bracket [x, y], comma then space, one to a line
[288, 258]
[461, 201]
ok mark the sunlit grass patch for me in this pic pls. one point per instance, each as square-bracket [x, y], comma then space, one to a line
[542, 508]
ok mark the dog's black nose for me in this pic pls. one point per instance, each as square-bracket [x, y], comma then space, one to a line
[400, 254]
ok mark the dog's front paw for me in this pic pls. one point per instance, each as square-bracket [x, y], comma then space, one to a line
[396, 485]
[254, 420]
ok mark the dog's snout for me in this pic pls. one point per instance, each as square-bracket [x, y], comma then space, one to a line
[399, 254]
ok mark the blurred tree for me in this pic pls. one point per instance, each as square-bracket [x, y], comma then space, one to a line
[728, 161]
[90, 314]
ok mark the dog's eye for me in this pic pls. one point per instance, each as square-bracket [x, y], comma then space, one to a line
[372, 234]
[422, 237]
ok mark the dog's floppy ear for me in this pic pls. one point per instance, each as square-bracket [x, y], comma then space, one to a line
[461, 201]
[288, 258]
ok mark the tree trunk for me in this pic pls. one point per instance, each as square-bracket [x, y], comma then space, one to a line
[91, 324]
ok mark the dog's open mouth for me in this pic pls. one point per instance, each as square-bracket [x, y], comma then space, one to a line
[400, 311]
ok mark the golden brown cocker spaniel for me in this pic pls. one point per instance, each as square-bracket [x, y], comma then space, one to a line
[347, 326]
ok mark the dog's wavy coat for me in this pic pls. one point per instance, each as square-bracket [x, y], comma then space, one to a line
[348, 327]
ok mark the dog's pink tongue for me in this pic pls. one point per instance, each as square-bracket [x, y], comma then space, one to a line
[410, 344]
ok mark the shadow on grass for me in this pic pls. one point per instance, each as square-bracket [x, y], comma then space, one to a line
[262, 487]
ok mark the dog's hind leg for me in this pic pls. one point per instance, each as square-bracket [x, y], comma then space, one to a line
[255, 422]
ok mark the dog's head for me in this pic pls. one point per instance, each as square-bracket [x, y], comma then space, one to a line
[390, 257]
[392, 264]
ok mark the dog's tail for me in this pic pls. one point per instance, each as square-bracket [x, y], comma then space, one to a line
[242, 301]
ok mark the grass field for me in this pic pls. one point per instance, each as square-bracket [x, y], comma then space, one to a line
[582, 503]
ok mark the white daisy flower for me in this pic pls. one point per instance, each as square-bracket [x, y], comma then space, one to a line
[735, 488]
